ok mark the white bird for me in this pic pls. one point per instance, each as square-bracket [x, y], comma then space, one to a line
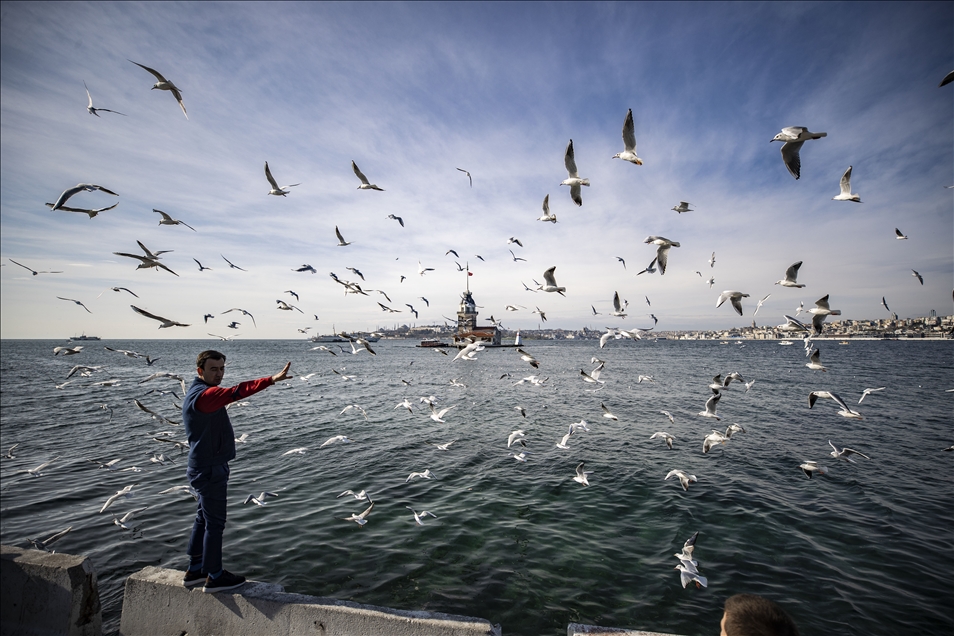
[576, 427]
[650, 269]
[682, 207]
[521, 456]
[168, 220]
[35, 272]
[88, 212]
[580, 477]
[791, 274]
[845, 410]
[337, 438]
[469, 351]
[711, 405]
[276, 189]
[629, 142]
[120, 494]
[920, 278]
[406, 404]
[260, 500]
[593, 377]
[95, 111]
[165, 85]
[550, 284]
[547, 216]
[672, 420]
[445, 446]
[712, 260]
[563, 442]
[712, 439]
[711, 281]
[664, 435]
[748, 385]
[735, 297]
[164, 322]
[301, 450]
[427, 474]
[121, 521]
[79, 187]
[607, 413]
[732, 429]
[810, 468]
[684, 478]
[618, 309]
[469, 178]
[760, 303]
[423, 270]
[845, 194]
[67, 351]
[845, 453]
[38, 471]
[396, 218]
[868, 392]
[80, 303]
[360, 496]
[362, 518]
[341, 241]
[516, 436]
[419, 516]
[899, 235]
[242, 438]
[365, 184]
[662, 251]
[686, 575]
[185, 489]
[793, 137]
[573, 180]
[815, 364]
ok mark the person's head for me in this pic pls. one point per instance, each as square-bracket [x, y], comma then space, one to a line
[751, 615]
[210, 366]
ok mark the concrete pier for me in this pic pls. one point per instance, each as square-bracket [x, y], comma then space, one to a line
[576, 629]
[156, 602]
[47, 594]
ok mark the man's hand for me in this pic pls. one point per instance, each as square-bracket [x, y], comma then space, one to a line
[283, 374]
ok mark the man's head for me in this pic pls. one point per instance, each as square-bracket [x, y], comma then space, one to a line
[210, 366]
[751, 615]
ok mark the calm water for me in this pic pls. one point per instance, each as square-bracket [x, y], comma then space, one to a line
[866, 549]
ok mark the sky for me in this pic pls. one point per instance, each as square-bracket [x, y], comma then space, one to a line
[411, 92]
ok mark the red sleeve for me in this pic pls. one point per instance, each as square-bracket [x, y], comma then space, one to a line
[215, 397]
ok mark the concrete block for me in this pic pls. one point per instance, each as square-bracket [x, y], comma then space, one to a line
[156, 602]
[47, 594]
[576, 629]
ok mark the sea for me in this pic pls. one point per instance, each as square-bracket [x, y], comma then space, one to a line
[863, 549]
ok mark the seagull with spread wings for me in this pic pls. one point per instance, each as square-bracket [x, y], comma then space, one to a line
[243, 311]
[573, 179]
[165, 85]
[629, 142]
[75, 301]
[365, 184]
[164, 322]
[168, 220]
[33, 271]
[79, 187]
[95, 111]
[277, 190]
[469, 178]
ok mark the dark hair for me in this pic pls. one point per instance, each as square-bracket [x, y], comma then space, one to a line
[208, 355]
[751, 615]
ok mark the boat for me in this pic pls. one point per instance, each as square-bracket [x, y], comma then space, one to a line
[843, 342]
[785, 343]
[328, 338]
[84, 337]
[433, 342]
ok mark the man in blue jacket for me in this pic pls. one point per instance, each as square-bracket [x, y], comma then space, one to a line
[211, 447]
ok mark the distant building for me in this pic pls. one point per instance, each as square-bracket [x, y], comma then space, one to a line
[467, 326]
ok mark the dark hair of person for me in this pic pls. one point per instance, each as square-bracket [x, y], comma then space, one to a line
[751, 615]
[208, 355]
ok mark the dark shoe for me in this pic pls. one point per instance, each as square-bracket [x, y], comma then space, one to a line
[192, 579]
[226, 581]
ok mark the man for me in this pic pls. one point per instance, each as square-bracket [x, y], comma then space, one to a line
[751, 615]
[211, 447]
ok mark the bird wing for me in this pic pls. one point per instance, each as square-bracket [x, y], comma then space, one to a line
[271, 179]
[790, 157]
[737, 304]
[662, 258]
[791, 274]
[569, 160]
[88, 95]
[165, 217]
[359, 174]
[549, 277]
[156, 73]
[178, 96]
[576, 193]
[629, 132]
[338, 234]
[846, 182]
[145, 313]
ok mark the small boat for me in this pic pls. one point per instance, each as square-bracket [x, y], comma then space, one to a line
[433, 342]
[328, 338]
[84, 337]
[785, 343]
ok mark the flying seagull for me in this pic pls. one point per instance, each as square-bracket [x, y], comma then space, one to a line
[168, 220]
[75, 301]
[793, 137]
[396, 218]
[662, 251]
[791, 274]
[89, 212]
[682, 207]
[365, 184]
[165, 322]
[899, 235]
[276, 190]
[547, 215]
[629, 142]
[79, 187]
[244, 312]
[845, 194]
[232, 265]
[735, 297]
[117, 289]
[201, 266]
[95, 111]
[573, 180]
[760, 303]
[550, 284]
[920, 278]
[471, 179]
[33, 271]
[165, 85]
[341, 241]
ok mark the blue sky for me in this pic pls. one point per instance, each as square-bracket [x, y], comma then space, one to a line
[411, 92]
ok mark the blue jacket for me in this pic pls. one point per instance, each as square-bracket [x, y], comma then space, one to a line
[211, 438]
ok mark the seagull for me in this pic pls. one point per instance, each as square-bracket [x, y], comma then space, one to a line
[547, 215]
[396, 218]
[418, 516]
[759, 305]
[42, 545]
[662, 251]
[35, 273]
[90, 213]
[686, 575]
[276, 190]
[793, 137]
[244, 312]
[117, 289]
[168, 220]
[242, 438]
[809, 468]
[563, 442]
[516, 436]
[360, 496]
[543, 315]
[664, 435]
[232, 265]
[711, 282]
[899, 235]
[75, 301]
[183, 489]
[445, 446]
[790, 275]
[165, 322]
[95, 111]
[360, 519]
[38, 471]
[438, 416]
[573, 180]
[427, 474]
[260, 500]
[155, 416]
[67, 351]
[815, 364]
[650, 269]
[682, 207]
[845, 410]
[711, 405]
[365, 184]
[684, 479]
[617, 307]
[469, 178]
[712, 439]
[593, 376]
[296, 451]
[607, 413]
[550, 282]
[120, 494]
[201, 266]
[423, 270]
[732, 429]
[712, 260]
[672, 420]
[845, 453]
[918, 276]
[868, 392]
[515, 258]
[286, 307]
[629, 144]
[845, 194]
[647, 301]
[165, 85]
[526, 357]
[342, 438]
[79, 187]
[884, 303]
[580, 477]
[735, 297]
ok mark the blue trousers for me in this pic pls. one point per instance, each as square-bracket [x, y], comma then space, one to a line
[205, 544]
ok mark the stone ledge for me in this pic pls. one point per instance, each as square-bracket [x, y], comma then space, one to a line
[156, 602]
[576, 629]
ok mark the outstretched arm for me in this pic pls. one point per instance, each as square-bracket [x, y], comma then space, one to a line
[283, 374]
